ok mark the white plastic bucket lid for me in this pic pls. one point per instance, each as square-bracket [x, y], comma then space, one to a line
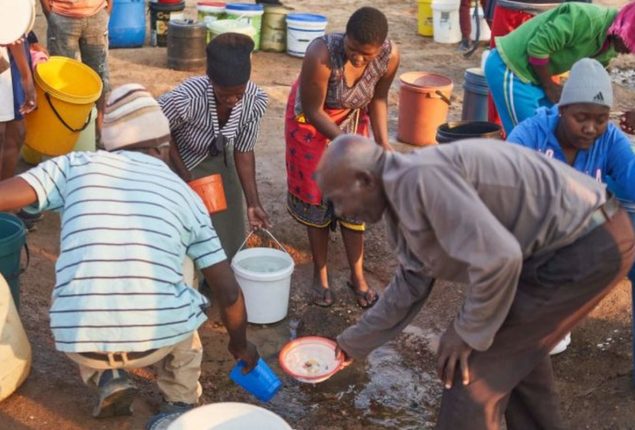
[16, 19]
[229, 416]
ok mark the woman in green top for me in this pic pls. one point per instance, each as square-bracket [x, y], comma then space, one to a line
[520, 70]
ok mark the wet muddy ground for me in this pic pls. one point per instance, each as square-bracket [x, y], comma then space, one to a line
[395, 388]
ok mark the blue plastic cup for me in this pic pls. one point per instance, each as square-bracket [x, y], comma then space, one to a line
[260, 381]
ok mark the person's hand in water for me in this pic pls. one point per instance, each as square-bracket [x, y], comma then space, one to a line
[627, 122]
[453, 355]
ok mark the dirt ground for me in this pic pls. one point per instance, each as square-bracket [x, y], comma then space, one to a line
[395, 387]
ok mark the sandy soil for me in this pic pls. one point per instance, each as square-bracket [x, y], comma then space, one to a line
[394, 388]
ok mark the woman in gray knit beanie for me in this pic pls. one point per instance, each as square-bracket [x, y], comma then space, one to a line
[578, 132]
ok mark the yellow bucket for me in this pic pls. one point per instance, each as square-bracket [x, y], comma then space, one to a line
[66, 92]
[424, 18]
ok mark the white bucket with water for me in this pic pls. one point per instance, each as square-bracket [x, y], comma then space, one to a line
[445, 18]
[15, 349]
[221, 26]
[229, 416]
[264, 276]
[484, 30]
[302, 29]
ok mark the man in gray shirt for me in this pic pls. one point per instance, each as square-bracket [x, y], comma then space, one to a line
[537, 243]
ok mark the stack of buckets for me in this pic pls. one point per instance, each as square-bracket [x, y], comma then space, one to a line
[161, 13]
[67, 91]
[273, 28]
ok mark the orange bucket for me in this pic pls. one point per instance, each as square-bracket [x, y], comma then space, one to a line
[210, 190]
[424, 100]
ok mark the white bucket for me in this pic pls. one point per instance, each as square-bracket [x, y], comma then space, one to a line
[445, 18]
[15, 349]
[302, 29]
[264, 276]
[485, 32]
[229, 416]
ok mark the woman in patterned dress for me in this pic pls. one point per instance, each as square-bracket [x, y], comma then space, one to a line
[342, 88]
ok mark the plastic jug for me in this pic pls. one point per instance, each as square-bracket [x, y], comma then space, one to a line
[260, 381]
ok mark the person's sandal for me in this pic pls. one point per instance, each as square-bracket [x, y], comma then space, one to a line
[323, 297]
[365, 299]
[116, 394]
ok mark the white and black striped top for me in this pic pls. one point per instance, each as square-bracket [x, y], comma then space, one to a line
[127, 223]
[191, 110]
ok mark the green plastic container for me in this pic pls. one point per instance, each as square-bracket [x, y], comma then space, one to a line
[249, 13]
[12, 239]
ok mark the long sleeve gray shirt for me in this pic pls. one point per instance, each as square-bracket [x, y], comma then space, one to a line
[470, 212]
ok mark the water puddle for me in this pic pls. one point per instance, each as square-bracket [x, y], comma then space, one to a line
[383, 391]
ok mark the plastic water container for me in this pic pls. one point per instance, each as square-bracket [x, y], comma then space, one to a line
[229, 26]
[15, 349]
[424, 18]
[302, 29]
[249, 13]
[210, 189]
[208, 12]
[260, 381]
[229, 416]
[127, 25]
[264, 276]
[474, 95]
[12, 240]
[160, 16]
[484, 31]
[446, 21]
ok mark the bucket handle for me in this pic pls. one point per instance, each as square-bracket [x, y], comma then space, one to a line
[282, 248]
[48, 99]
[441, 96]
[21, 270]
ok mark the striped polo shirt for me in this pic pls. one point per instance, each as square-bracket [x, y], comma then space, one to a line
[127, 223]
[191, 110]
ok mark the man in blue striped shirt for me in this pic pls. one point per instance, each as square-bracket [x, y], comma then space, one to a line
[128, 223]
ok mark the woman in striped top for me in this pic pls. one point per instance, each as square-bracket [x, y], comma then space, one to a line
[343, 88]
[214, 122]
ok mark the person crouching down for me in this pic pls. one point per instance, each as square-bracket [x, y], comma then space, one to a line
[128, 221]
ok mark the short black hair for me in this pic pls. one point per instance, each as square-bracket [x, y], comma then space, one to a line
[229, 59]
[367, 26]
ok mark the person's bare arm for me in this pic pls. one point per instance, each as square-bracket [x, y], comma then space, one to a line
[246, 169]
[16, 193]
[19, 56]
[177, 164]
[225, 289]
[46, 7]
[553, 90]
[378, 107]
[313, 87]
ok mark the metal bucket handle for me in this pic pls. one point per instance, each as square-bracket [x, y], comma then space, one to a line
[282, 248]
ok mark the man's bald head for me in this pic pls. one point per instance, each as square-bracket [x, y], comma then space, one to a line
[349, 174]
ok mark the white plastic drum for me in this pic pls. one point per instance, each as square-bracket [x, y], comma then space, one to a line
[302, 28]
[445, 16]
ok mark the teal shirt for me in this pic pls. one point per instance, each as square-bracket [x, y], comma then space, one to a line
[564, 35]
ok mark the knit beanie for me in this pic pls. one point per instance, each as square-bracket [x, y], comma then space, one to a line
[588, 82]
[133, 118]
[229, 59]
